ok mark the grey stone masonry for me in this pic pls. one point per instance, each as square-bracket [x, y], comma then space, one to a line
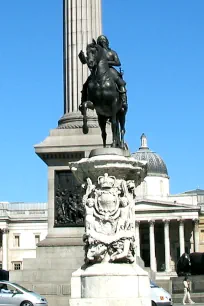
[50, 273]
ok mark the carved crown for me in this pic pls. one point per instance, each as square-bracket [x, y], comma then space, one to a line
[106, 181]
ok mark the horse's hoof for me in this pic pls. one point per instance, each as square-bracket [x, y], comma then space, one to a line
[113, 145]
[122, 146]
[85, 129]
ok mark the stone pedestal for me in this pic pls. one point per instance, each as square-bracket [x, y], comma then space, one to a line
[62, 146]
[109, 277]
[110, 284]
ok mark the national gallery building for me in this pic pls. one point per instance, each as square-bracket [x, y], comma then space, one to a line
[166, 225]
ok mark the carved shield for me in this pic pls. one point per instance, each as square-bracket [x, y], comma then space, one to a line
[107, 203]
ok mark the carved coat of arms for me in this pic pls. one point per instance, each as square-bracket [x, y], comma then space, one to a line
[109, 220]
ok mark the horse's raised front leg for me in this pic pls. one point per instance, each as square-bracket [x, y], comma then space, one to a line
[83, 109]
[102, 123]
[114, 125]
[121, 118]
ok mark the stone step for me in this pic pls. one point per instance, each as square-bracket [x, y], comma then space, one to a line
[34, 276]
[110, 301]
[60, 252]
[52, 263]
[55, 293]
[50, 273]
[57, 300]
[196, 297]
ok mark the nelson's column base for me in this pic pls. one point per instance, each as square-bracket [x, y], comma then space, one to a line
[61, 252]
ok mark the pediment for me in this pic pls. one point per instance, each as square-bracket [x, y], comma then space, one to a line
[151, 205]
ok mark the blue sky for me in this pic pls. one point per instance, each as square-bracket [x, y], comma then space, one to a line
[161, 47]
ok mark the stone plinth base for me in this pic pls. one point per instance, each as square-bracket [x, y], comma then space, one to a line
[110, 284]
[197, 284]
[50, 272]
[109, 302]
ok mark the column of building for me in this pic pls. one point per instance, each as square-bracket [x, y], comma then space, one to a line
[153, 264]
[196, 235]
[181, 236]
[137, 237]
[5, 232]
[167, 245]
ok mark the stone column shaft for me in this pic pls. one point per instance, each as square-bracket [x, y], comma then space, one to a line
[137, 237]
[167, 245]
[196, 235]
[82, 22]
[181, 237]
[5, 249]
[152, 246]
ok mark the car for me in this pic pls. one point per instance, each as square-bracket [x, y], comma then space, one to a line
[159, 296]
[12, 294]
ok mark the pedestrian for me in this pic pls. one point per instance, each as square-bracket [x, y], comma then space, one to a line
[187, 296]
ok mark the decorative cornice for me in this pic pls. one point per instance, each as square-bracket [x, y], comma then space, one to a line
[4, 230]
[151, 222]
[166, 221]
[51, 158]
[181, 221]
[75, 120]
[77, 125]
[196, 221]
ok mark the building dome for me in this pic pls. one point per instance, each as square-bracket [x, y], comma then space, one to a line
[155, 164]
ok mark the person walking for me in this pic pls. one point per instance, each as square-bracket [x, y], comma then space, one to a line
[187, 296]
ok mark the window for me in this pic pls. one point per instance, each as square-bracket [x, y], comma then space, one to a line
[37, 238]
[16, 241]
[161, 187]
[17, 265]
[144, 188]
[202, 235]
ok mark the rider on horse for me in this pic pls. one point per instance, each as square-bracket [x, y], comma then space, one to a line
[113, 60]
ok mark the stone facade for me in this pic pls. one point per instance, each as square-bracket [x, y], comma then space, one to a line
[164, 231]
[201, 232]
[22, 226]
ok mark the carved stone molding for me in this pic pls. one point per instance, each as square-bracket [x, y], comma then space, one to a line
[151, 222]
[137, 223]
[181, 221]
[4, 230]
[74, 120]
[166, 221]
[196, 221]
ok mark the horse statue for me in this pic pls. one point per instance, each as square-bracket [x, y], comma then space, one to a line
[191, 264]
[103, 95]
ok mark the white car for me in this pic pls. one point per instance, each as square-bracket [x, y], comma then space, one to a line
[159, 296]
[12, 294]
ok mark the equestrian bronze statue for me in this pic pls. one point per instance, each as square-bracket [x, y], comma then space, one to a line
[104, 90]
